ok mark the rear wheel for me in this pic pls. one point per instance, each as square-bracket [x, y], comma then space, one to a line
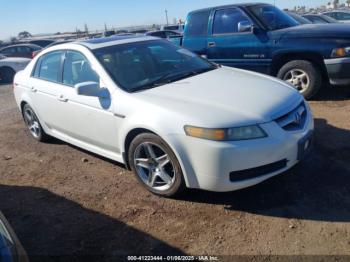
[303, 75]
[6, 75]
[33, 124]
[155, 165]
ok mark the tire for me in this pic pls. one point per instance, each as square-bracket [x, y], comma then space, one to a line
[303, 75]
[33, 124]
[159, 171]
[6, 75]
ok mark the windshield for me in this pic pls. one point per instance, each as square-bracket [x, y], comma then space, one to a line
[148, 64]
[272, 17]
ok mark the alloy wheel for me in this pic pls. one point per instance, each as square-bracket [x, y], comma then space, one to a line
[154, 166]
[298, 78]
[32, 122]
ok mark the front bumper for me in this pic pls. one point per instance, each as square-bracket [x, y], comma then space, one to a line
[338, 70]
[212, 165]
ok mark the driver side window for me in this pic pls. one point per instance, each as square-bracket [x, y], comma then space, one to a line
[226, 21]
[77, 69]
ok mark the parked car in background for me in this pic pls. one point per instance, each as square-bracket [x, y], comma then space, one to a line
[176, 119]
[301, 20]
[35, 53]
[262, 38]
[11, 249]
[9, 67]
[108, 33]
[20, 50]
[339, 15]
[178, 28]
[119, 32]
[163, 34]
[41, 42]
[320, 19]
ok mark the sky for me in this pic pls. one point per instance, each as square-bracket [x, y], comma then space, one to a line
[51, 16]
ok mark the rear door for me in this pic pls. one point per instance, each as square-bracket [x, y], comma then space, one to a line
[230, 47]
[45, 88]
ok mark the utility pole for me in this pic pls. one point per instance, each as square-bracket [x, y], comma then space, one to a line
[166, 16]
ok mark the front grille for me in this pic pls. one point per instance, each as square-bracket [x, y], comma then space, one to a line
[237, 176]
[294, 120]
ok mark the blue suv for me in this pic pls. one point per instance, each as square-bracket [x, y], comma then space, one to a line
[262, 38]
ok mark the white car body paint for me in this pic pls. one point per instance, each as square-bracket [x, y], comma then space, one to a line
[224, 97]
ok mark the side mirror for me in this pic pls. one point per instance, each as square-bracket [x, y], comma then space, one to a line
[245, 26]
[91, 89]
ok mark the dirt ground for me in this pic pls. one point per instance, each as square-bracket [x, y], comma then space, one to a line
[65, 202]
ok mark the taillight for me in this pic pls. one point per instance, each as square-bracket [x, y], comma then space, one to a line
[33, 54]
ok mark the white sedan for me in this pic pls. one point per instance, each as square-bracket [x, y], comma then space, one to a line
[174, 118]
[9, 66]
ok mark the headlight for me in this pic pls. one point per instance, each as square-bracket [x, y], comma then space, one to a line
[226, 134]
[340, 52]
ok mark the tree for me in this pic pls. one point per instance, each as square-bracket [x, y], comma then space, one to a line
[348, 2]
[24, 34]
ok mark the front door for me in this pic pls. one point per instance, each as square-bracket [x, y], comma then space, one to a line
[88, 119]
[230, 47]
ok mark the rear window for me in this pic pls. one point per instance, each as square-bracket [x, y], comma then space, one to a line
[197, 24]
[50, 67]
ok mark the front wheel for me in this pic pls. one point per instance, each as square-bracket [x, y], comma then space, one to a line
[303, 75]
[155, 165]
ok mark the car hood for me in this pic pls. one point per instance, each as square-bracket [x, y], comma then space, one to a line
[340, 31]
[225, 97]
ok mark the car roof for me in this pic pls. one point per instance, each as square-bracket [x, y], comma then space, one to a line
[229, 6]
[114, 40]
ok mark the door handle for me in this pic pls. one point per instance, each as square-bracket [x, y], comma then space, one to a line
[61, 98]
[33, 89]
[211, 44]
